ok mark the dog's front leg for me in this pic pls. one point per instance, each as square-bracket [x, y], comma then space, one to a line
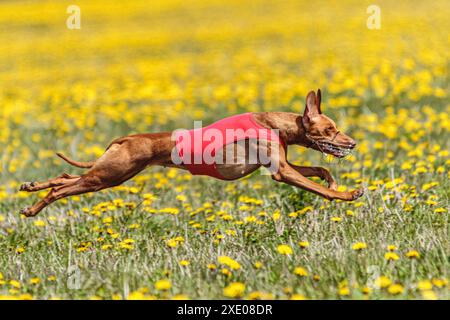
[320, 172]
[289, 175]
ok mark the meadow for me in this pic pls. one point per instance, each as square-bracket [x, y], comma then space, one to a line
[149, 66]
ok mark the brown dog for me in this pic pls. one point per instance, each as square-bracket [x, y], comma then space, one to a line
[125, 157]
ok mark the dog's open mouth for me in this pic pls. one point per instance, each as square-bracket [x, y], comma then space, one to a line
[335, 150]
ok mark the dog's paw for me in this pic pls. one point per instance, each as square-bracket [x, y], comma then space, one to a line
[358, 193]
[27, 212]
[27, 186]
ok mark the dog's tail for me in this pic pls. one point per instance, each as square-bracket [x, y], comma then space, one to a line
[85, 165]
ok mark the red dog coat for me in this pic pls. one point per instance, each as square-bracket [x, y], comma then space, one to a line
[197, 147]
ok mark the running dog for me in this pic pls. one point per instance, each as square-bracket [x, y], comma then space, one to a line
[261, 133]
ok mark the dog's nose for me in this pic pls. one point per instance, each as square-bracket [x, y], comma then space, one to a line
[352, 144]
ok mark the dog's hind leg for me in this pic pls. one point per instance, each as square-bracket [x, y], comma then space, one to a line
[95, 180]
[75, 187]
[58, 181]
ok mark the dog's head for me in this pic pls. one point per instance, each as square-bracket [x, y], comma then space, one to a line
[322, 132]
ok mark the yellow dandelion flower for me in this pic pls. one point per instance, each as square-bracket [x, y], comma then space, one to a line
[430, 185]
[395, 289]
[382, 282]
[179, 239]
[106, 246]
[250, 219]
[344, 291]
[136, 295]
[184, 263]
[359, 246]
[211, 266]
[276, 215]
[127, 244]
[133, 190]
[440, 283]
[14, 284]
[233, 264]
[39, 223]
[299, 271]
[20, 250]
[366, 290]
[234, 290]
[293, 214]
[413, 254]
[172, 243]
[256, 295]
[424, 285]
[392, 256]
[226, 272]
[284, 249]
[303, 244]
[107, 220]
[163, 285]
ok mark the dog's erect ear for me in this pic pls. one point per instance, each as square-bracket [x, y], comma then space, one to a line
[311, 108]
[319, 100]
[311, 104]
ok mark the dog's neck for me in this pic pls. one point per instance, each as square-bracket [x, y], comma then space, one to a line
[289, 125]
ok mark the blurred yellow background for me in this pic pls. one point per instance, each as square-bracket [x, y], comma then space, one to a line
[157, 65]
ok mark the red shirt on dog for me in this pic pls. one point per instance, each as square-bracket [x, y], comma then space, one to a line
[197, 147]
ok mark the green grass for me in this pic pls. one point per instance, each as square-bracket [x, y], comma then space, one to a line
[51, 250]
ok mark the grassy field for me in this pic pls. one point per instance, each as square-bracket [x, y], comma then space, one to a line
[140, 66]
